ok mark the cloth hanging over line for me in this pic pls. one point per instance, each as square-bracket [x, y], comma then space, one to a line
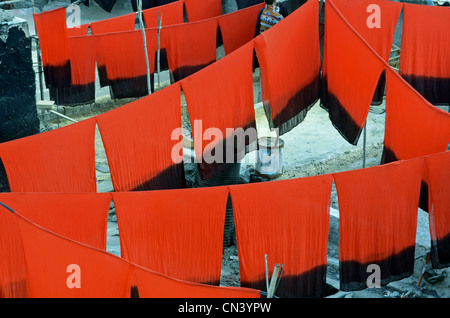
[219, 100]
[290, 74]
[189, 223]
[83, 56]
[60, 160]
[171, 13]
[80, 30]
[204, 9]
[348, 97]
[190, 47]
[238, 28]
[138, 142]
[289, 221]
[122, 23]
[439, 212]
[375, 21]
[378, 222]
[424, 59]
[127, 76]
[55, 265]
[52, 32]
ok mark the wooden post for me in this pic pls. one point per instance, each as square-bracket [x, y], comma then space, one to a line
[364, 144]
[158, 54]
[141, 23]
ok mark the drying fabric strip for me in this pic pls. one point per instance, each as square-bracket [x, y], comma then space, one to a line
[60, 160]
[83, 56]
[378, 222]
[150, 284]
[81, 217]
[138, 142]
[424, 59]
[122, 23]
[190, 47]
[52, 32]
[290, 74]
[375, 21]
[178, 233]
[197, 10]
[353, 70]
[238, 28]
[439, 212]
[127, 76]
[80, 30]
[289, 221]
[219, 99]
[58, 267]
[241, 4]
[171, 13]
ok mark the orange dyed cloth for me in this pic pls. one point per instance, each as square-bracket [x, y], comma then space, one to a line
[289, 221]
[424, 59]
[190, 47]
[138, 142]
[197, 10]
[353, 70]
[439, 211]
[171, 231]
[60, 160]
[171, 13]
[55, 264]
[214, 120]
[78, 31]
[378, 222]
[289, 73]
[238, 28]
[52, 32]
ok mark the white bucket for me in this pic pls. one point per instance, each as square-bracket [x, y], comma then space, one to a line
[270, 157]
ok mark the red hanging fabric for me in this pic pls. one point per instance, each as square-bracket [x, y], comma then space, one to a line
[189, 223]
[289, 73]
[171, 13]
[190, 47]
[138, 142]
[375, 21]
[439, 211]
[52, 32]
[424, 59]
[123, 55]
[208, 94]
[353, 70]
[60, 160]
[58, 267]
[154, 285]
[13, 276]
[197, 10]
[80, 30]
[238, 27]
[414, 127]
[122, 23]
[289, 221]
[378, 222]
[83, 51]
[81, 217]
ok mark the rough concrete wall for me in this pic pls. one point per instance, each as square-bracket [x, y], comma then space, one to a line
[18, 114]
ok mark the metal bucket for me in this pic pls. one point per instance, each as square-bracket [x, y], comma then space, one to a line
[270, 157]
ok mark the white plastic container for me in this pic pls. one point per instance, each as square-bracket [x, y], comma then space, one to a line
[270, 157]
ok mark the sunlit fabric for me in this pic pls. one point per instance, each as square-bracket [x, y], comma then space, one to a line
[353, 70]
[290, 74]
[178, 233]
[197, 10]
[60, 160]
[439, 209]
[138, 142]
[424, 58]
[52, 32]
[238, 28]
[80, 30]
[219, 100]
[171, 13]
[378, 223]
[289, 221]
[190, 47]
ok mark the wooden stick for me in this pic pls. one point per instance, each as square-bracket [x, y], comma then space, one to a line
[145, 46]
[273, 281]
[267, 274]
[423, 270]
[158, 54]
